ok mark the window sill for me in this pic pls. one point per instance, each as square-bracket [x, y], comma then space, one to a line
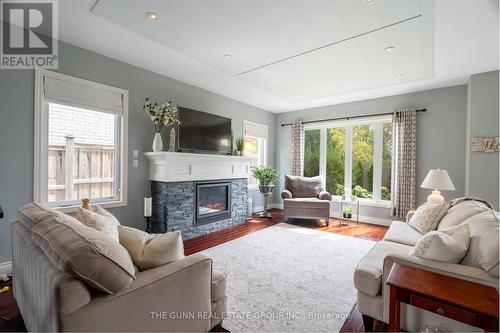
[253, 187]
[365, 202]
[74, 208]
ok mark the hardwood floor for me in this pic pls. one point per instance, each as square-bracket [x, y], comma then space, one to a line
[10, 319]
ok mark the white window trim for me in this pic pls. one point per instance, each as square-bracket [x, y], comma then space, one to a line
[41, 139]
[253, 187]
[377, 122]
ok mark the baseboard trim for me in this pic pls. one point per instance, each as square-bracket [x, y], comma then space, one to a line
[362, 218]
[6, 267]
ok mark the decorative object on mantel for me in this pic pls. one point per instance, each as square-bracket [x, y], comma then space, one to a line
[239, 144]
[148, 207]
[266, 176]
[171, 141]
[165, 114]
[437, 180]
[485, 144]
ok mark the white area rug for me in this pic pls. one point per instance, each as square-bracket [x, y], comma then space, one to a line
[289, 278]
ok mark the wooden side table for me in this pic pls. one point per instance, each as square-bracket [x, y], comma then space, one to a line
[468, 302]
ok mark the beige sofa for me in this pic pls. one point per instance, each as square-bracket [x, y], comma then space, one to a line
[306, 197]
[372, 272]
[185, 295]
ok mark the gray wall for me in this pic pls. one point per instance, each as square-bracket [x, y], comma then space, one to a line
[482, 173]
[440, 141]
[16, 127]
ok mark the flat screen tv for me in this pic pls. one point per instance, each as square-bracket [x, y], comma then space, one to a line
[204, 132]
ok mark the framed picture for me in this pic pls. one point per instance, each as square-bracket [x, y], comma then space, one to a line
[485, 145]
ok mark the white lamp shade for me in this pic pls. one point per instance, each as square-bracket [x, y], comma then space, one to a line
[439, 180]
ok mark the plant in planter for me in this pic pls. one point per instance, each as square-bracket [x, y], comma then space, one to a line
[161, 115]
[238, 146]
[266, 176]
[347, 213]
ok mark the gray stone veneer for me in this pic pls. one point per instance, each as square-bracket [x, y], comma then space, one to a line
[173, 208]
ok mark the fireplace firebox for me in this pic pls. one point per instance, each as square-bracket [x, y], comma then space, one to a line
[213, 202]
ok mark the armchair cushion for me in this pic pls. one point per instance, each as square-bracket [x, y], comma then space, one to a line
[304, 187]
[325, 195]
[285, 194]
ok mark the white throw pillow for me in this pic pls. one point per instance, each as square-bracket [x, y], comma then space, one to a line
[151, 250]
[449, 245]
[99, 219]
[484, 242]
[427, 216]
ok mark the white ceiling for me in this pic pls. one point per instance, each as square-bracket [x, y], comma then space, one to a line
[437, 44]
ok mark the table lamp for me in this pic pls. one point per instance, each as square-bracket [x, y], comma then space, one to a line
[437, 180]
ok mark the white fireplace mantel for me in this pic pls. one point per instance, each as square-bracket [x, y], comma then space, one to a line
[179, 167]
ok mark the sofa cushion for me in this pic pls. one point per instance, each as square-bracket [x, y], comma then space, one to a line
[304, 187]
[308, 203]
[427, 216]
[484, 247]
[449, 245]
[151, 250]
[219, 281]
[368, 274]
[84, 252]
[99, 219]
[33, 213]
[461, 212]
[401, 232]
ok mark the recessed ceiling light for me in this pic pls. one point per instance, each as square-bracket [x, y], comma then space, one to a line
[227, 56]
[389, 49]
[369, 2]
[272, 80]
[398, 76]
[152, 16]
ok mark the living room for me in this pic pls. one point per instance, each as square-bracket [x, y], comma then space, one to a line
[249, 166]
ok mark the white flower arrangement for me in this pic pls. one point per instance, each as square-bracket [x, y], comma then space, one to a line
[165, 114]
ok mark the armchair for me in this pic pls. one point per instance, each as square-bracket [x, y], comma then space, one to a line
[306, 197]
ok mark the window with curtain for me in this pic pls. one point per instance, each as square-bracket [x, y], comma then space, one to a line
[255, 137]
[80, 141]
[353, 156]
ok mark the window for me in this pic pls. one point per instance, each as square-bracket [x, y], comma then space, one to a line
[80, 146]
[255, 145]
[354, 157]
[311, 153]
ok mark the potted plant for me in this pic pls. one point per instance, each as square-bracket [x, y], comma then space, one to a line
[161, 115]
[347, 213]
[266, 177]
[238, 145]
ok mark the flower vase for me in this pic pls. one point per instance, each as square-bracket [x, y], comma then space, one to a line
[157, 142]
[171, 144]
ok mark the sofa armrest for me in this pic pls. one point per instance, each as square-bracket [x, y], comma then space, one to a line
[410, 213]
[325, 195]
[469, 273]
[160, 299]
[285, 194]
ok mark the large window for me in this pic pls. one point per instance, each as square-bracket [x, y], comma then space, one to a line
[255, 145]
[354, 157]
[80, 142]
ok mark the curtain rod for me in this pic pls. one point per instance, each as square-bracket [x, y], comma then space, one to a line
[347, 118]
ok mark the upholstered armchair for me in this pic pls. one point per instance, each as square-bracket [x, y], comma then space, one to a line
[306, 197]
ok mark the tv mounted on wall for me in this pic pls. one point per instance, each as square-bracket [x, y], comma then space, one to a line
[204, 132]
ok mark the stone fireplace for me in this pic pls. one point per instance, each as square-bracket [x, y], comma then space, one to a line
[197, 193]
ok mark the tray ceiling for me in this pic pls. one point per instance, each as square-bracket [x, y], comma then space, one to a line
[296, 50]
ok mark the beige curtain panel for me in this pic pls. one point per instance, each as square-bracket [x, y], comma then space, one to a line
[404, 163]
